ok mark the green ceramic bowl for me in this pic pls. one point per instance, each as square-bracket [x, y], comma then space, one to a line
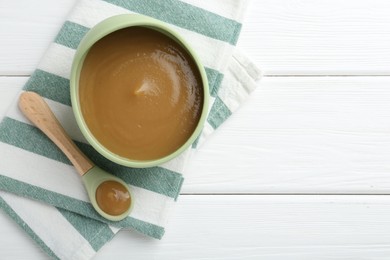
[96, 33]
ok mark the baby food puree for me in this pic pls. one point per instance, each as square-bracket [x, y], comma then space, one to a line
[140, 93]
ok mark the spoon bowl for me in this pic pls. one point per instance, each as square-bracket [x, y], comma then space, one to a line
[109, 195]
[92, 180]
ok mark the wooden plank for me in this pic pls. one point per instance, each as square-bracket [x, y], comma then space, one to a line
[301, 135]
[283, 37]
[249, 227]
[332, 37]
[26, 30]
[294, 135]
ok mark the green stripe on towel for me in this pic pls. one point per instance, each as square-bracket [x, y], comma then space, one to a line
[215, 78]
[71, 30]
[218, 113]
[95, 232]
[49, 86]
[10, 212]
[49, 197]
[186, 16]
[26, 137]
[71, 34]
[77, 206]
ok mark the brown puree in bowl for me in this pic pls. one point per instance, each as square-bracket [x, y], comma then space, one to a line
[141, 93]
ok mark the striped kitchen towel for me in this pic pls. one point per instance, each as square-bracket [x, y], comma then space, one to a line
[43, 193]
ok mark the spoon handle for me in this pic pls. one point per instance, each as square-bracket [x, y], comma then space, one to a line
[37, 111]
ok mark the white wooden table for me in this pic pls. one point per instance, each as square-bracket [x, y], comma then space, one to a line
[308, 173]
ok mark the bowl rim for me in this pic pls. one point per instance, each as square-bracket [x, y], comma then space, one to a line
[97, 32]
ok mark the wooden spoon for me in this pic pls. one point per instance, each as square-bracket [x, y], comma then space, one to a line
[109, 195]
